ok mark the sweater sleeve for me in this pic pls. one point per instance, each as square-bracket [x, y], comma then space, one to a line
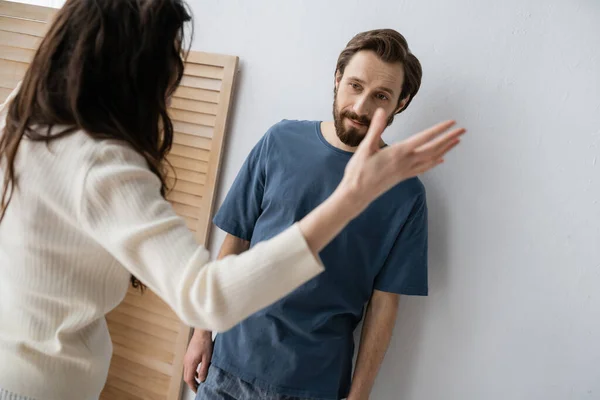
[121, 208]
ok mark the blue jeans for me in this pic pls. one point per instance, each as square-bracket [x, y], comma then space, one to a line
[220, 385]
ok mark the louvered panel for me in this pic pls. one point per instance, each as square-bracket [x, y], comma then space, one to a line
[149, 341]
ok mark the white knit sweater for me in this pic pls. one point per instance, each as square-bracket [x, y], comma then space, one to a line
[85, 216]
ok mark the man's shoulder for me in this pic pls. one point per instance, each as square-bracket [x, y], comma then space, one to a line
[291, 127]
[413, 187]
[409, 193]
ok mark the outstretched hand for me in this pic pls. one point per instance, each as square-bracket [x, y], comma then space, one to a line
[373, 170]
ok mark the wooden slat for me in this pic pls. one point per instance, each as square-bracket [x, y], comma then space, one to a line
[190, 152]
[192, 141]
[140, 375]
[116, 382]
[193, 129]
[185, 198]
[33, 28]
[11, 73]
[150, 302]
[188, 176]
[26, 11]
[220, 60]
[140, 324]
[185, 210]
[191, 223]
[186, 187]
[194, 105]
[201, 83]
[4, 92]
[146, 337]
[204, 71]
[161, 366]
[187, 163]
[208, 96]
[112, 393]
[19, 40]
[16, 54]
[149, 316]
[193, 118]
[13, 66]
[144, 344]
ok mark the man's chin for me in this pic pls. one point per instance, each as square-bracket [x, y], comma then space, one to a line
[351, 139]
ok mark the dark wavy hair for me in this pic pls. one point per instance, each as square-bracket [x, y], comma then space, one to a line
[390, 46]
[106, 67]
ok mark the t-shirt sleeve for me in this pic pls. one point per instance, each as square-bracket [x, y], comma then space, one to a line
[243, 204]
[405, 269]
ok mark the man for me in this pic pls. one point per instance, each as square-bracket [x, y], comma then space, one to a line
[302, 346]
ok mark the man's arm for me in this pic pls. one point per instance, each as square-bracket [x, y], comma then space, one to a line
[200, 348]
[378, 326]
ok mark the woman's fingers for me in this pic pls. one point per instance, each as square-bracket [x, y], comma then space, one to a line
[427, 135]
[376, 128]
[440, 142]
[435, 160]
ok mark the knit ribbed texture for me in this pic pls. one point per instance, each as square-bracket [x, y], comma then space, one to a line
[86, 215]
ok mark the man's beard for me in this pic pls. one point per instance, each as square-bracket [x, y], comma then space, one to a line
[351, 136]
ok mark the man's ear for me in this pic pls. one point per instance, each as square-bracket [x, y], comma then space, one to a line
[402, 104]
[338, 79]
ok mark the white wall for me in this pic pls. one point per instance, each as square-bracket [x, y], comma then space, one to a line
[514, 310]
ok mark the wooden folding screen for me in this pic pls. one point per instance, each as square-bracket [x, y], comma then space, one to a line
[149, 340]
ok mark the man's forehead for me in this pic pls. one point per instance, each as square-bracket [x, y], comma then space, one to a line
[368, 67]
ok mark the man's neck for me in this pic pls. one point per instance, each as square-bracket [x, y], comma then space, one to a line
[329, 133]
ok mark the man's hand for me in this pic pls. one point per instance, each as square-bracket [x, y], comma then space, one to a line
[199, 352]
[200, 349]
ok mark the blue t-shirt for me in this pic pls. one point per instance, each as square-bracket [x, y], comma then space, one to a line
[303, 344]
